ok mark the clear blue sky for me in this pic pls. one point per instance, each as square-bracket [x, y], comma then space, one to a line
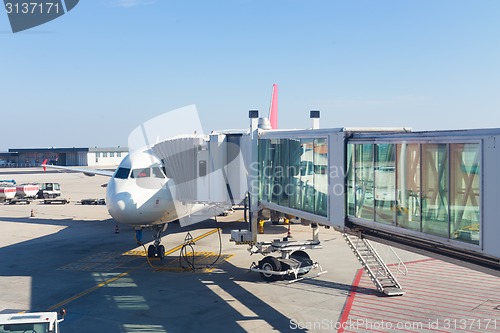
[91, 76]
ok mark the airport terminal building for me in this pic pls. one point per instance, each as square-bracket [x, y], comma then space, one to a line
[31, 157]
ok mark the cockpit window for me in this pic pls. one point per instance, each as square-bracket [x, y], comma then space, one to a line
[122, 173]
[141, 173]
[157, 172]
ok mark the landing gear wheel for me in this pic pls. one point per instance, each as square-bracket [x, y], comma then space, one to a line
[270, 264]
[160, 251]
[303, 258]
[151, 251]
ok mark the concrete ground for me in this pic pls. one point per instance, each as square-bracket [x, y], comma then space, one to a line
[71, 256]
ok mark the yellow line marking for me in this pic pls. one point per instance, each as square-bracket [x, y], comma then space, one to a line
[113, 279]
[88, 291]
[177, 248]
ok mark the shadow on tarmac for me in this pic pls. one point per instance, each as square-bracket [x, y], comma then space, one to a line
[140, 301]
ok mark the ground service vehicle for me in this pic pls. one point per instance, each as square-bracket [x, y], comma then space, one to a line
[36, 322]
[49, 190]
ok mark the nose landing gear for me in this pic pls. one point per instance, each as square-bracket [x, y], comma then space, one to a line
[157, 250]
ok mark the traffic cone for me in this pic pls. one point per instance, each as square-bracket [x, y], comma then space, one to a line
[32, 213]
[117, 230]
[261, 226]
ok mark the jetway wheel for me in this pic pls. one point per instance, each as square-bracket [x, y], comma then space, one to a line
[270, 264]
[303, 258]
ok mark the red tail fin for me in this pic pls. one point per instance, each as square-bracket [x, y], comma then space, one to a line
[273, 109]
[44, 163]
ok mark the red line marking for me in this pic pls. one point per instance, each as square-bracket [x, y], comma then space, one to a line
[384, 313]
[376, 320]
[444, 266]
[452, 294]
[457, 275]
[350, 300]
[419, 311]
[415, 261]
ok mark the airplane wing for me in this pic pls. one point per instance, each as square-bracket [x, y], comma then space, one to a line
[87, 172]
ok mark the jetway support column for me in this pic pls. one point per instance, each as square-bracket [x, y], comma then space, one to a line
[253, 173]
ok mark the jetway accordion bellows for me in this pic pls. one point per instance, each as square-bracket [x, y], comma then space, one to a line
[204, 169]
[180, 158]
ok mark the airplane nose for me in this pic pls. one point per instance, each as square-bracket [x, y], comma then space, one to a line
[122, 207]
[134, 205]
[120, 204]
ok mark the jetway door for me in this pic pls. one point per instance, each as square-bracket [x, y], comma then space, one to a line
[237, 147]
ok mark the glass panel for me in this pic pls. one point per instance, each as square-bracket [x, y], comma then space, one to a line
[435, 215]
[122, 173]
[464, 192]
[408, 186]
[321, 176]
[385, 183]
[265, 166]
[157, 172]
[307, 174]
[364, 181]
[140, 173]
[285, 172]
[351, 184]
[295, 151]
[277, 171]
[25, 328]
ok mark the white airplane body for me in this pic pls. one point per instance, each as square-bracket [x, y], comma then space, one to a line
[139, 193]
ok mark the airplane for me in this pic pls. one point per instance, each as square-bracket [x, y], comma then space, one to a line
[139, 193]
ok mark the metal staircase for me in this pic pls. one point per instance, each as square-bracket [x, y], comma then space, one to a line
[374, 266]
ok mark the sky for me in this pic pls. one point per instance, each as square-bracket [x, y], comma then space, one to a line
[91, 76]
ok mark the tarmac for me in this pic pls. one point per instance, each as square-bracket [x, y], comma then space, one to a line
[71, 256]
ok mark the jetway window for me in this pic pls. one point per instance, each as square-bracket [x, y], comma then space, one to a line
[351, 182]
[284, 173]
[307, 175]
[435, 213]
[464, 192]
[265, 169]
[408, 186]
[277, 171]
[385, 183]
[202, 168]
[364, 195]
[294, 173]
[433, 188]
[321, 176]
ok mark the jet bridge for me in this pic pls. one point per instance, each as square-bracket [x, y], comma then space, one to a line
[429, 192]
